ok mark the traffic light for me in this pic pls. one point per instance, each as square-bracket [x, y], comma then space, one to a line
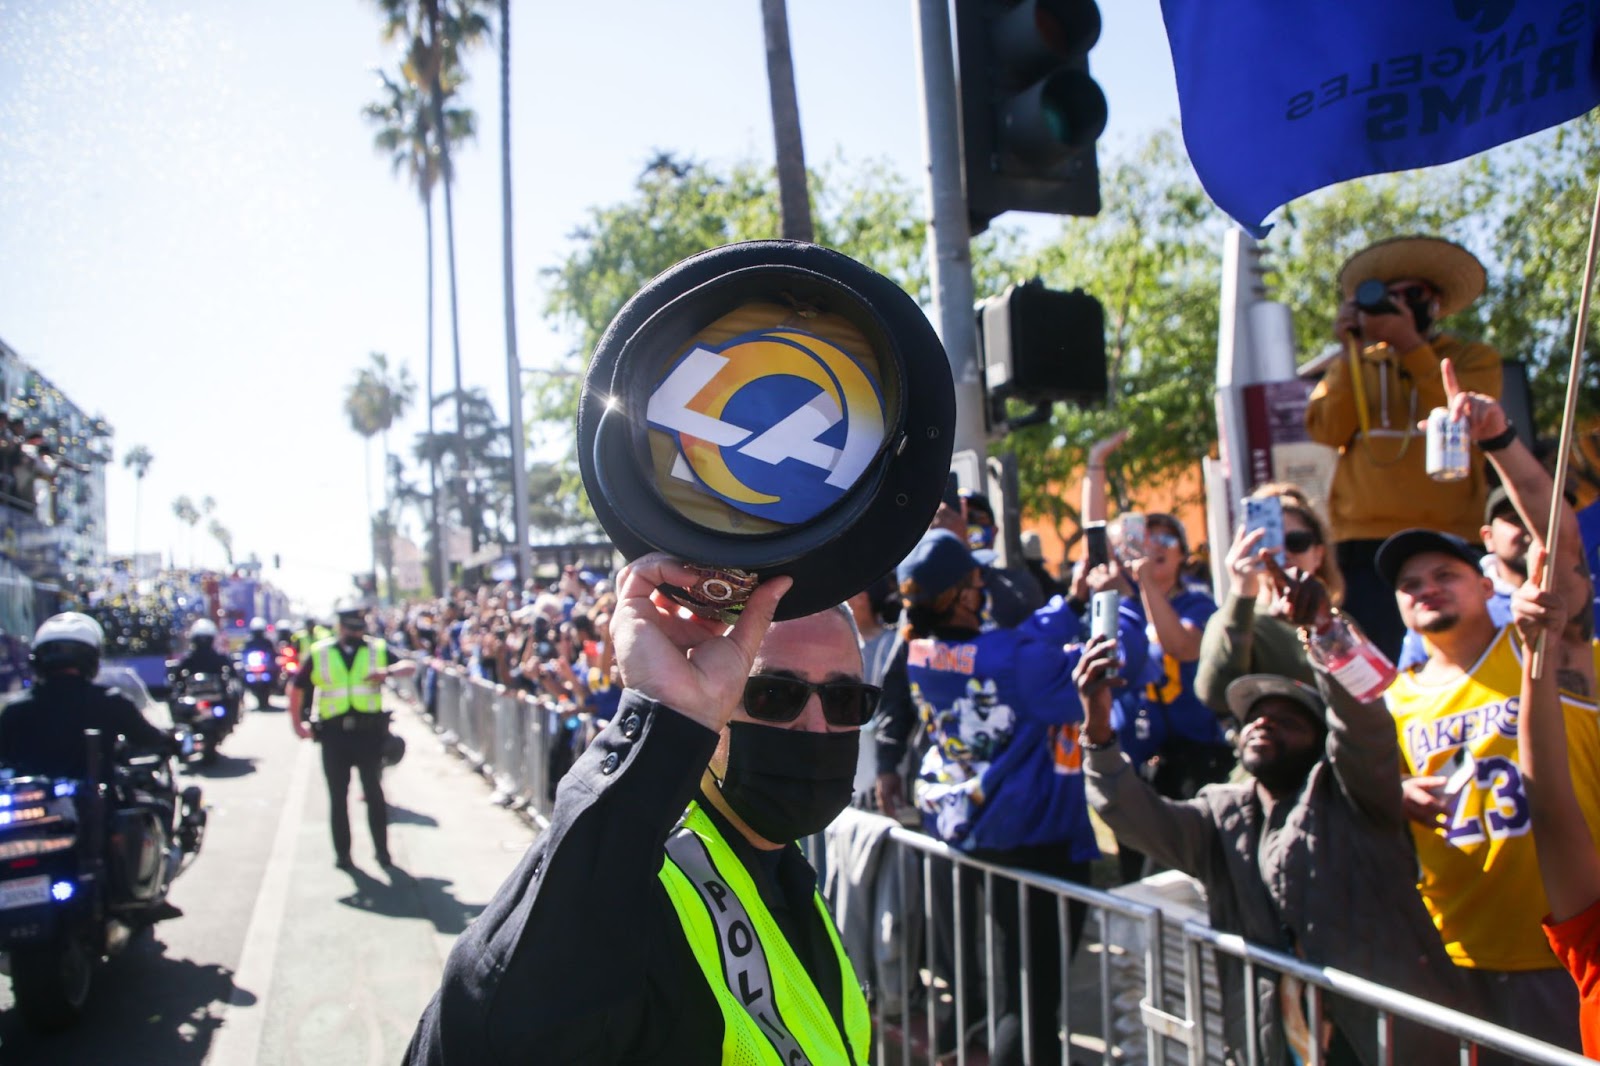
[1030, 112]
[1042, 346]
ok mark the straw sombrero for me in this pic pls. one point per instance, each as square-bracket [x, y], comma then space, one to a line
[1447, 266]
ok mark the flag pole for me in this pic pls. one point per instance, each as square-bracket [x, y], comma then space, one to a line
[1558, 500]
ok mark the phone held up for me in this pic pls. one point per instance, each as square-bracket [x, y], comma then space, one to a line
[1265, 513]
[1103, 618]
[1097, 548]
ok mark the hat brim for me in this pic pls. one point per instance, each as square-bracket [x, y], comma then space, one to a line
[1455, 272]
[1245, 692]
[1394, 552]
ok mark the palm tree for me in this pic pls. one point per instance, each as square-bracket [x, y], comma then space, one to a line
[436, 32]
[189, 514]
[138, 459]
[373, 402]
[793, 199]
[405, 135]
[224, 537]
[519, 462]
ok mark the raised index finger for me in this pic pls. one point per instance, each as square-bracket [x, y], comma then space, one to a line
[1452, 387]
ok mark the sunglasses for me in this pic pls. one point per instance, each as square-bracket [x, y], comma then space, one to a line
[777, 699]
[1302, 540]
[1166, 540]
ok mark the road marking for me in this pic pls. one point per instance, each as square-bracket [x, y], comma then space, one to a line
[238, 1041]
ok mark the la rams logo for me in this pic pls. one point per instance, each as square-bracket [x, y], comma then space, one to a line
[778, 423]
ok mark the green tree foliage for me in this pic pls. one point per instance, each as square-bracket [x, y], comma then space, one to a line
[1152, 258]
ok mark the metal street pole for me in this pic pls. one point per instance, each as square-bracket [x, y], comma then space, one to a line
[519, 461]
[949, 238]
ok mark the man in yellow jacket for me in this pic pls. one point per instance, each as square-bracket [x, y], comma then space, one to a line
[1369, 404]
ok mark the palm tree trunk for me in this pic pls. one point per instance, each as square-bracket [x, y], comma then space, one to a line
[519, 462]
[387, 551]
[138, 504]
[436, 516]
[792, 194]
[372, 536]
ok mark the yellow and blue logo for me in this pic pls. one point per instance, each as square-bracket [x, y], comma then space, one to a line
[777, 423]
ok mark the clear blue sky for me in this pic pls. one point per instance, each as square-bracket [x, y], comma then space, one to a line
[198, 241]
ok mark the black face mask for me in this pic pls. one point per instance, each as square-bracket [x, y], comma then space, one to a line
[788, 783]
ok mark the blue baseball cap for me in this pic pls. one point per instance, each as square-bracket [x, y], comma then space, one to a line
[937, 564]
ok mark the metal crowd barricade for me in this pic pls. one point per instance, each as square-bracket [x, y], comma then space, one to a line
[1140, 987]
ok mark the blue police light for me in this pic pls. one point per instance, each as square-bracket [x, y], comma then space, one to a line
[62, 891]
[218, 712]
[65, 788]
[5, 799]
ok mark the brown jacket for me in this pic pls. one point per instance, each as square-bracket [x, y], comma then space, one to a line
[1337, 885]
[1381, 485]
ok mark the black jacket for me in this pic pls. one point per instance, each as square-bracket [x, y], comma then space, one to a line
[204, 661]
[580, 957]
[43, 733]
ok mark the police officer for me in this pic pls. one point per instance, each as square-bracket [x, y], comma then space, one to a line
[204, 658]
[42, 733]
[346, 673]
[667, 902]
[311, 631]
[258, 639]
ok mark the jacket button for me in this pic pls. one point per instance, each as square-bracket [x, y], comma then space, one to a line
[610, 764]
[630, 726]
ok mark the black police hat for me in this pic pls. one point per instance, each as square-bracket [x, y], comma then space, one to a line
[772, 407]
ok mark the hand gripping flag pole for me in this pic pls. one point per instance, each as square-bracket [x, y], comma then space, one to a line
[1564, 454]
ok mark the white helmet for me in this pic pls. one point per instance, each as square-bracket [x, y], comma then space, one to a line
[258, 624]
[71, 626]
[69, 641]
[203, 629]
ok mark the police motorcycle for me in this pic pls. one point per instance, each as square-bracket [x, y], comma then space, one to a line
[85, 866]
[257, 663]
[205, 698]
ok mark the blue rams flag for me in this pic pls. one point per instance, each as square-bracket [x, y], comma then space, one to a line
[1280, 97]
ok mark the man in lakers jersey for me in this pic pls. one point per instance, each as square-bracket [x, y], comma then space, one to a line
[1456, 714]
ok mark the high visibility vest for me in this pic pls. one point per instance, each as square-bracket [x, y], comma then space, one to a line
[304, 641]
[340, 688]
[772, 1013]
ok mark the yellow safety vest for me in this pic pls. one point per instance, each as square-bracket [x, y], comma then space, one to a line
[340, 688]
[772, 1013]
[304, 642]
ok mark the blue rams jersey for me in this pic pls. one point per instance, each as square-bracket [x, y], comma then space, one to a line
[1005, 768]
[1165, 706]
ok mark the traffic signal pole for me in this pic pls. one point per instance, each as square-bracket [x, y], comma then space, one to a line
[949, 239]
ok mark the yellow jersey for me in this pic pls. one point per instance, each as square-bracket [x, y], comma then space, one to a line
[1480, 873]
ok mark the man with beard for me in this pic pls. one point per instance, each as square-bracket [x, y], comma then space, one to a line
[666, 915]
[1310, 856]
[1456, 716]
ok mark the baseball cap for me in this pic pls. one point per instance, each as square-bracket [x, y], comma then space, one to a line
[1245, 692]
[938, 563]
[1393, 553]
[1500, 500]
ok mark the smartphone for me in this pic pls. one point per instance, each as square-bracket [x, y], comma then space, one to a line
[1097, 548]
[1130, 528]
[1103, 618]
[1265, 513]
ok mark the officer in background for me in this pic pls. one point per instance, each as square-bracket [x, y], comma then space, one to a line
[203, 659]
[311, 631]
[346, 673]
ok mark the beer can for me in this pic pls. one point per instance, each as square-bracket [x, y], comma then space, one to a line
[1449, 457]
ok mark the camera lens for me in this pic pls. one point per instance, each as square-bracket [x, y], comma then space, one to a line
[1372, 296]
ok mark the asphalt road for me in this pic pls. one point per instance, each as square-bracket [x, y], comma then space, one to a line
[280, 958]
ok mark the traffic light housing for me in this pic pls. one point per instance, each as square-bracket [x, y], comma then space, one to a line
[1030, 112]
[1042, 346]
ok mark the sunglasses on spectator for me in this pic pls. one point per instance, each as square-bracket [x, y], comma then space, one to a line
[778, 699]
[1163, 538]
[1301, 540]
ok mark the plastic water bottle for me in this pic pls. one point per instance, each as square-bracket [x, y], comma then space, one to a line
[1345, 652]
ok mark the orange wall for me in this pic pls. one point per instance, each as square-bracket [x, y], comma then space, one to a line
[1183, 496]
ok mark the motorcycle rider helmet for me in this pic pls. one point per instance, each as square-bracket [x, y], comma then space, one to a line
[203, 632]
[258, 624]
[284, 627]
[68, 641]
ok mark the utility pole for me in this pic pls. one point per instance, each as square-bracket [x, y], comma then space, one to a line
[793, 197]
[949, 238]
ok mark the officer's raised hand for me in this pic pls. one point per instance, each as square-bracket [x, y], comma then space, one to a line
[693, 665]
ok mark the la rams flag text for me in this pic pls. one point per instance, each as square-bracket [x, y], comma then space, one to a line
[1279, 98]
[777, 423]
